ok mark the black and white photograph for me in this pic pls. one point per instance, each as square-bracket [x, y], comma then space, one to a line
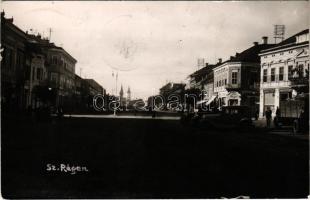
[154, 99]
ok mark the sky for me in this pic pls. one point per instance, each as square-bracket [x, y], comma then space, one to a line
[151, 43]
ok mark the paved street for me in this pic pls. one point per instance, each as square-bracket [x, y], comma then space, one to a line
[142, 158]
[125, 117]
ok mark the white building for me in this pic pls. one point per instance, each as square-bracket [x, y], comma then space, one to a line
[277, 67]
[236, 81]
[202, 80]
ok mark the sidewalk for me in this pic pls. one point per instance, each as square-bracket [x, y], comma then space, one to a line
[285, 131]
[261, 123]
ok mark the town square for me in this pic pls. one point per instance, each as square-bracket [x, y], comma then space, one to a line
[174, 99]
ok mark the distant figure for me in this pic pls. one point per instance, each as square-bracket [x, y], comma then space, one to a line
[256, 114]
[276, 119]
[303, 119]
[268, 116]
[278, 112]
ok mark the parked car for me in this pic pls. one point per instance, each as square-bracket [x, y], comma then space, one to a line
[230, 117]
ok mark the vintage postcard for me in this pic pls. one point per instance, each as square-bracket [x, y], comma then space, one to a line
[154, 99]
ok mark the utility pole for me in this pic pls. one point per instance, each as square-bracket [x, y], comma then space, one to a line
[50, 33]
[116, 77]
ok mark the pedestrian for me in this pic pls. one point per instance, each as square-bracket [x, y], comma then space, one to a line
[268, 116]
[276, 119]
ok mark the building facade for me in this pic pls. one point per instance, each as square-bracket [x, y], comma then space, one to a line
[13, 66]
[36, 73]
[61, 73]
[236, 81]
[203, 80]
[286, 60]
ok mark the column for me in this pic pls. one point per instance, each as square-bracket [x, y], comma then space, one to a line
[276, 101]
[261, 103]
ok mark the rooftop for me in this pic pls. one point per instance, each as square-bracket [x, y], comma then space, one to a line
[289, 42]
[250, 54]
[203, 71]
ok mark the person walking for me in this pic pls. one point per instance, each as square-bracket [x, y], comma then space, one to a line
[276, 119]
[268, 116]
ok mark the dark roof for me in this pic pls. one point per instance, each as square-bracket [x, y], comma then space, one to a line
[53, 46]
[289, 42]
[250, 54]
[172, 87]
[292, 39]
[203, 71]
[92, 82]
[8, 22]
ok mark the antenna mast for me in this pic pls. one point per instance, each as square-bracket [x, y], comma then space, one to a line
[279, 31]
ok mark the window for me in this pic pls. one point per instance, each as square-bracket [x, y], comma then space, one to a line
[290, 71]
[273, 77]
[285, 96]
[61, 62]
[225, 81]
[8, 58]
[273, 55]
[54, 77]
[33, 74]
[39, 74]
[234, 76]
[54, 60]
[281, 73]
[19, 59]
[265, 75]
[300, 70]
[281, 53]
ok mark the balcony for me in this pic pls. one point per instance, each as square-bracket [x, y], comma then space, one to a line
[300, 82]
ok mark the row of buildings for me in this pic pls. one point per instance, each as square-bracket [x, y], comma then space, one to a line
[36, 73]
[262, 76]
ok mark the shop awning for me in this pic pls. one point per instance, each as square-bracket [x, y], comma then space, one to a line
[211, 99]
[202, 101]
[207, 100]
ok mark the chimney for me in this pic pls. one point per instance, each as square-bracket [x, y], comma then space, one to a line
[255, 43]
[207, 64]
[231, 57]
[237, 54]
[264, 40]
[220, 60]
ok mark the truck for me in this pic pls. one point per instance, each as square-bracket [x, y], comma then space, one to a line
[294, 113]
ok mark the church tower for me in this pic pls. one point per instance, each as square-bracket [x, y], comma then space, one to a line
[128, 94]
[121, 93]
